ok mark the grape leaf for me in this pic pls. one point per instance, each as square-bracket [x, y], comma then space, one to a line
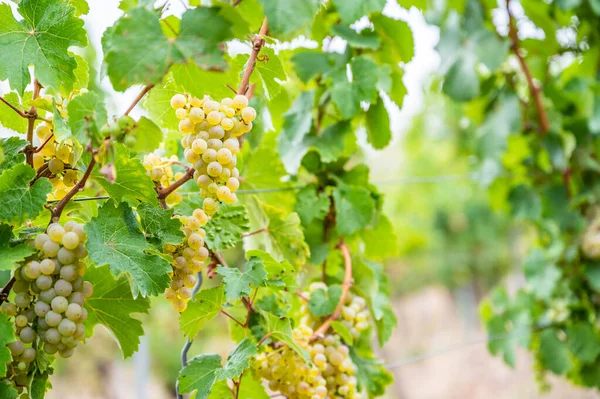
[288, 16]
[541, 274]
[251, 388]
[377, 120]
[87, 114]
[224, 230]
[238, 284]
[279, 274]
[381, 241]
[311, 205]
[42, 38]
[343, 331]
[283, 238]
[81, 7]
[238, 360]
[356, 205]
[219, 390]
[331, 141]
[8, 117]
[348, 95]
[386, 324]
[396, 38]
[7, 335]
[280, 329]
[82, 76]
[159, 225]
[365, 39]
[115, 239]
[310, 63]
[147, 135]
[138, 52]
[11, 150]
[20, 201]
[158, 103]
[199, 374]
[297, 124]
[583, 342]
[7, 391]
[372, 376]
[199, 82]
[554, 353]
[132, 183]
[203, 307]
[39, 386]
[323, 303]
[271, 72]
[112, 305]
[11, 254]
[352, 10]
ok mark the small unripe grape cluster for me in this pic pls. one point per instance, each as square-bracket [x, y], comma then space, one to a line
[160, 170]
[354, 315]
[48, 306]
[188, 259]
[211, 130]
[56, 158]
[329, 374]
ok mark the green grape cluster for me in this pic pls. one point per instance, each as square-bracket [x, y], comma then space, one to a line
[355, 314]
[211, 130]
[48, 306]
[160, 170]
[188, 259]
[55, 161]
[329, 374]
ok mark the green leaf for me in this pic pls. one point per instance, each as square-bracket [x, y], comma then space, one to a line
[381, 241]
[554, 353]
[583, 341]
[396, 37]
[331, 142]
[224, 230]
[159, 225]
[377, 120]
[342, 331]
[7, 335]
[271, 72]
[311, 205]
[138, 52]
[203, 307]
[199, 82]
[200, 375]
[158, 103]
[7, 391]
[8, 117]
[11, 255]
[352, 10]
[323, 303]
[112, 305]
[238, 360]
[288, 16]
[10, 148]
[115, 239]
[372, 376]
[279, 274]
[397, 91]
[348, 95]
[525, 203]
[82, 76]
[365, 39]
[461, 82]
[356, 205]
[595, 5]
[239, 284]
[297, 124]
[20, 201]
[280, 329]
[87, 114]
[42, 38]
[385, 325]
[251, 388]
[147, 135]
[39, 386]
[132, 183]
[310, 63]
[541, 274]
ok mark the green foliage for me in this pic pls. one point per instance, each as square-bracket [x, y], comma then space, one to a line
[204, 307]
[21, 201]
[11, 152]
[238, 360]
[199, 375]
[7, 336]
[11, 253]
[225, 230]
[239, 284]
[159, 226]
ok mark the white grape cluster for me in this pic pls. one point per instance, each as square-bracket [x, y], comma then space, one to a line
[56, 159]
[211, 130]
[354, 315]
[188, 260]
[329, 374]
[48, 306]
[160, 170]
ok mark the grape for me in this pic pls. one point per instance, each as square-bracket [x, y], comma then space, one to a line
[70, 240]
[9, 309]
[178, 101]
[66, 353]
[179, 305]
[32, 270]
[27, 335]
[196, 114]
[41, 309]
[56, 166]
[68, 273]
[59, 304]
[199, 146]
[39, 241]
[65, 256]
[186, 126]
[224, 156]
[181, 113]
[47, 295]
[63, 288]
[21, 321]
[239, 101]
[77, 297]
[50, 349]
[73, 312]
[214, 169]
[66, 327]
[29, 355]
[248, 114]
[16, 348]
[22, 300]
[53, 319]
[47, 266]
[51, 248]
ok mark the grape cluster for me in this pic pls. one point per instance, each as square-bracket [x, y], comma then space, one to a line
[188, 259]
[590, 243]
[354, 314]
[211, 130]
[160, 170]
[55, 161]
[329, 374]
[48, 307]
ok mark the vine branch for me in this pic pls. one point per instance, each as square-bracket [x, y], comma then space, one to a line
[31, 122]
[139, 97]
[164, 192]
[346, 285]
[6, 290]
[18, 111]
[58, 209]
[534, 89]
[257, 42]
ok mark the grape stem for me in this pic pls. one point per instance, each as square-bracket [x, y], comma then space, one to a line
[139, 97]
[257, 42]
[534, 89]
[164, 192]
[58, 209]
[264, 229]
[346, 285]
[31, 122]
[41, 147]
[6, 290]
